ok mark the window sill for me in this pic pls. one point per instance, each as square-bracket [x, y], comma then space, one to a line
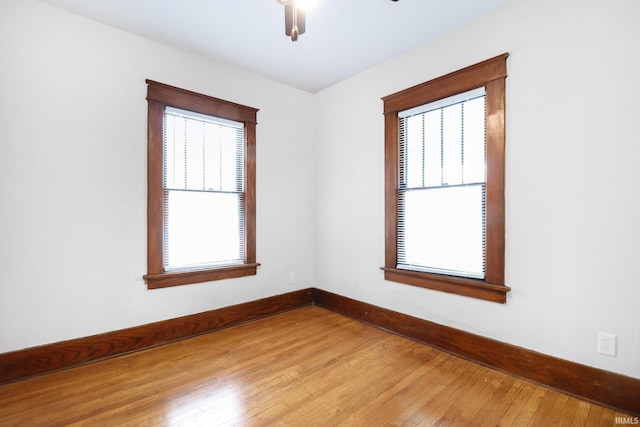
[456, 285]
[164, 280]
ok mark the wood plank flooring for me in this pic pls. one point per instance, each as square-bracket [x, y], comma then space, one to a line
[307, 367]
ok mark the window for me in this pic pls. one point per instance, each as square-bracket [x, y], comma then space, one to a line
[444, 183]
[441, 197]
[201, 188]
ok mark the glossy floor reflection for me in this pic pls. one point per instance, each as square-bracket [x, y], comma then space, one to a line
[307, 367]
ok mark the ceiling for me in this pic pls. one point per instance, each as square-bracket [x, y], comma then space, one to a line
[343, 37]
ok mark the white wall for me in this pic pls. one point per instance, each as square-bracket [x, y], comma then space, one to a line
[73, 178]
[573, 205]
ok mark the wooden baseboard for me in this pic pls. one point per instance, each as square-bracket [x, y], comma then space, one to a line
[34, 361]
[596, 385]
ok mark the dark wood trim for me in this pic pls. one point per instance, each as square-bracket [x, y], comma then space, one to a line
[468, 78]
[155, 198]
[193, 101]
[48, 358]
[391, 174]
[250, 194]
[454, 285]
[159, 96]
[495, 200]
[164, 280]
[491, 75]
[602, 387]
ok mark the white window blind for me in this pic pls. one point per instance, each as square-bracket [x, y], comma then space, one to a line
[441, 210]
[204, 191]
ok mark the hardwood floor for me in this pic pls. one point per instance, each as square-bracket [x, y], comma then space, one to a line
[306, 367]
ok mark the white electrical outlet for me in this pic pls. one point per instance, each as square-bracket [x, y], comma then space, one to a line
[292, 278]
[607, 344]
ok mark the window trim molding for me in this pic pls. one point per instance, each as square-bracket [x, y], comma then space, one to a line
[159, 96]
[491, 74]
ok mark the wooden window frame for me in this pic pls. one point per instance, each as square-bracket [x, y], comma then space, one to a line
[160, 96]
[490, 74]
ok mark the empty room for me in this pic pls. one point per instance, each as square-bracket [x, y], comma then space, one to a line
[285, 212]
